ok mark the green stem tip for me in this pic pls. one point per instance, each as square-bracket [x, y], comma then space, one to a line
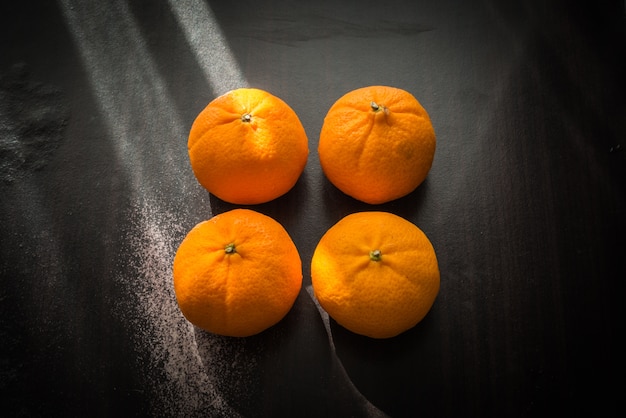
[378, 108]
[230, 248]
[375, 255]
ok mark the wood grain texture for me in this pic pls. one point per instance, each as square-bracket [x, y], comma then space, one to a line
[525, 206]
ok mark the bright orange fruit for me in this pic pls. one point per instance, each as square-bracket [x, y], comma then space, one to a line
[247, 147]
[377, 144]
[237, 274]
[375, 273]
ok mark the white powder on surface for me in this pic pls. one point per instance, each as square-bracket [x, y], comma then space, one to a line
[185, 369]
[33, 117]
[180, 377]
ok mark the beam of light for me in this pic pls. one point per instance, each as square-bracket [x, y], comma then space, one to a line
[145, 128]
[150, 145]
[207, 42]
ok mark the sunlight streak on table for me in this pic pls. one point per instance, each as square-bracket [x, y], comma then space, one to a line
[148, 136]
[208, 43]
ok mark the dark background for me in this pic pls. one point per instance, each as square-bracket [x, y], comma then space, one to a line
[525, 206]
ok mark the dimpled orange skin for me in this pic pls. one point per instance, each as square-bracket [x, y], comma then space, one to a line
[378, 299]
[377, 144]
[247, 147]
[237, 274]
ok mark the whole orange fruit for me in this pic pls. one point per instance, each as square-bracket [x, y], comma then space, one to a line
[377, 144]
[237, 274]
[247, 147]
[375, 273]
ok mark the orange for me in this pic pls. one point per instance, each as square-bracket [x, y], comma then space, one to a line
[247, 147]
[237, 273]
[375, 273]
[377, 144]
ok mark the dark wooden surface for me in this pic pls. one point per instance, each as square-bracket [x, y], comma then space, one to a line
[525, 206]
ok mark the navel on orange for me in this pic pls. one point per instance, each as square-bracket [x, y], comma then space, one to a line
[247, 147]
[377, 144]
[375, 273]
[237, 274]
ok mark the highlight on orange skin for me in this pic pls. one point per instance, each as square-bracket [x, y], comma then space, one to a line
[247, 147]
[377, 144]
